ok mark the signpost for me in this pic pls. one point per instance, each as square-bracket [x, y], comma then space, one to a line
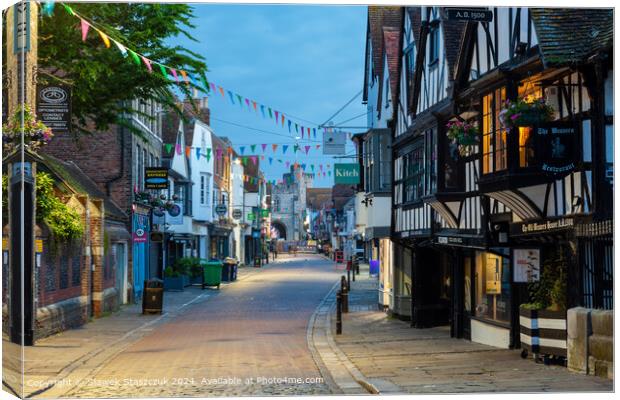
[155, 178]
[54, 107]
[469, 14]
[347, 173]
[237, 213]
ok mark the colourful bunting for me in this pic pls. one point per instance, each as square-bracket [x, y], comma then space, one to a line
[184, 75]
[188, 151]
[178, 148]
[105, 38]
[287, 164]
[289, 125]
[242, 149]
[284, 148]
[84, 25]
[247, 102]
[134, 56]
[174, 73]
[239, 98]
[123, 50]
[232, 100]
[253, 147]
[262, 110]
[48, 8]
[147, 62]
[168, 147]
[307, 149]
[208, 153]
[270, 160]
[254, 104]
[282, 119]
[270, 114]
[274, 147]
[197, 153]
[264, 146]
[276, 113]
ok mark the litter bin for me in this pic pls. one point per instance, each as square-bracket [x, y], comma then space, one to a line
[153, 296]
[229, 270]
[212, 273]
[258, 262]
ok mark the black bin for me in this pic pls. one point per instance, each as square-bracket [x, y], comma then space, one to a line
[153, 297]
[229, 270]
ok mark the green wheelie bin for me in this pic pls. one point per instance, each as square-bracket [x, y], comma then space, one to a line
[212, 273]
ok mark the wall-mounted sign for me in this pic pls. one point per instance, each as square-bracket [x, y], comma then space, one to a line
[38, 245]
[155, 178]
[54, 107]
[493, 275]
[237, 214]
[542, 226]
[334, 142]
[347, 173]
[469, 14]
[174, 215]
[526, 265]
[221, 209]
[251, 217]
[140, 228]
[556, 146]
[264, 213]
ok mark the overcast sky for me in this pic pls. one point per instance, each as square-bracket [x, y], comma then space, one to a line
[305, 61]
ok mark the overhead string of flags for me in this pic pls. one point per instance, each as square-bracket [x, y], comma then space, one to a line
[197, 79]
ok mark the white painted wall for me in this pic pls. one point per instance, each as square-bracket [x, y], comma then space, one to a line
[490, 335]
[202, 139]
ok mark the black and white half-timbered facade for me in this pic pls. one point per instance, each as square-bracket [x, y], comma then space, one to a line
[531, 188]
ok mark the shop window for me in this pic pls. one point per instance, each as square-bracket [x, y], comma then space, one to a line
[494, 148]
[420, 168]
[492, 287]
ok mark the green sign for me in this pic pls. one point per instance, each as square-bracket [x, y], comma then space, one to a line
[251, 217]
[347, 173]
[265, 213]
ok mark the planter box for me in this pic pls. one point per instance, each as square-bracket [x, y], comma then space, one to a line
[543, 332]
[174, 284]
[185, 280]
[195, 280]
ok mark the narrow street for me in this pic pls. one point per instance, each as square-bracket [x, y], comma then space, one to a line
[242, 341]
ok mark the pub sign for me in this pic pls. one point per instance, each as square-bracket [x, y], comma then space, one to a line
[557, 146]
[155, 178]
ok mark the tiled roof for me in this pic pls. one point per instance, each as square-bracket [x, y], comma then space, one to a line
[391, 38]
[452, 37]
[79, 181]
[568, 36]
[378, 18]
[316, 197]
[341, 193]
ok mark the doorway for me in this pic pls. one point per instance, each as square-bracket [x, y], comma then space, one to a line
[120, 251]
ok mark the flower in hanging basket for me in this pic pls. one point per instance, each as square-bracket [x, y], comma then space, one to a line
[36, 133]
[525, 113]
[463, 134]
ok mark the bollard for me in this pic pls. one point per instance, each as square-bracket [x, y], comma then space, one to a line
[353, 276]
[345, 302]
[338, 313]
[348, 280]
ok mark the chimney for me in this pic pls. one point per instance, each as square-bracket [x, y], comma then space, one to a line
[202, 104]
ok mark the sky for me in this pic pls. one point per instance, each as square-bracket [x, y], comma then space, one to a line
[305, 61]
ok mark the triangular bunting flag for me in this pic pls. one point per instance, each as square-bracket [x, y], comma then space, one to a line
[307, 149]
[240, 98]
[105, 38]
[221, 89]
[84, 25]
[262, 110]
[253, 147]
[242, 149]
[147, 62]
[232, 100]
[287, 164]
[174, 73]
[254, 104]
[270, 160]
[270, 114]
[134, 56]
[276, 113]
[188, 151]
[178, 148]
[264, 146]
[318, 146]
[289, 125]
[168, 147]
[274, 147]
[198, 153]
[314, 132]
[284, 148]
[121, 48]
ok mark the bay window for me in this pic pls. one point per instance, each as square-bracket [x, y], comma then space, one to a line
[494, 146]
[420, 167]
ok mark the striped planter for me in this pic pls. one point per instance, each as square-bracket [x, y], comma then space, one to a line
[543, 332]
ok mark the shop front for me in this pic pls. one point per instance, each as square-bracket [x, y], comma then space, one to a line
[219, 242]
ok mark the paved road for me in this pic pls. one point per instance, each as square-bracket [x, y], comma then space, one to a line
[248, 340]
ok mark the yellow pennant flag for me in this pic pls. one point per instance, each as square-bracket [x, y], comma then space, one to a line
[105, 38]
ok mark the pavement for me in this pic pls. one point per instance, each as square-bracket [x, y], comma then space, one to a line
[249, 338]
[383, 355]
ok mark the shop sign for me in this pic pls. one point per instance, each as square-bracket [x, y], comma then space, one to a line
[347, 173]
[265, 213]
[141, 227]
[237, 213]
[155, 178]
[449, 240]
[334, 142]
[221, 209]
[38, 246]
[469, 14]
[526, 265]
[54, 107]
[250, 216]
[556, 146]
[542, 227]
[174, 215]
[159, 216]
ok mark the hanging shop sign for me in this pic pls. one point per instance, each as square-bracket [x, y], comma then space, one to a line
[221, 209]
[557, 146]
[140, 228]
[264, 213]
[334, 142]
[159, 216]
[174, 215]
[155, 178]
[54, 107]
[469, 14]
[237, 213]
[251, 217]
[526, 265]
[347, 173]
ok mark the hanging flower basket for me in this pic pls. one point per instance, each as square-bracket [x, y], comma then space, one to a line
[524, 113]
[36, 134]
[464, 135]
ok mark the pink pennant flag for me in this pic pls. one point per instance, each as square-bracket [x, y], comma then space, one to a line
[213, 88]
[321, 167]
[174, 73]
[307, 149]
[276, 113]
[85, 25]
[318, 146]
[262, 158]
[254, 160]
[323, 174]
[302, 132]
[254, 104]
[264, 146]
[147, 62]
[178, 148]
[219, 152]
[247, 102]
[287, 164]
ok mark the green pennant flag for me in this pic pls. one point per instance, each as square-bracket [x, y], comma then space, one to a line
[239, 98]
[244, 160]
[208, 154]
[270, 115]
[163, 71]
[280, 161]
[312, 166]
[168, 147]
[135, 57]
[253, 147]
[295, 148]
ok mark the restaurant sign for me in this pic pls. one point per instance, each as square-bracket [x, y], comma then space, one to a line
[347, 173]
[544, 226]
[557, 146]
[155, 178]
